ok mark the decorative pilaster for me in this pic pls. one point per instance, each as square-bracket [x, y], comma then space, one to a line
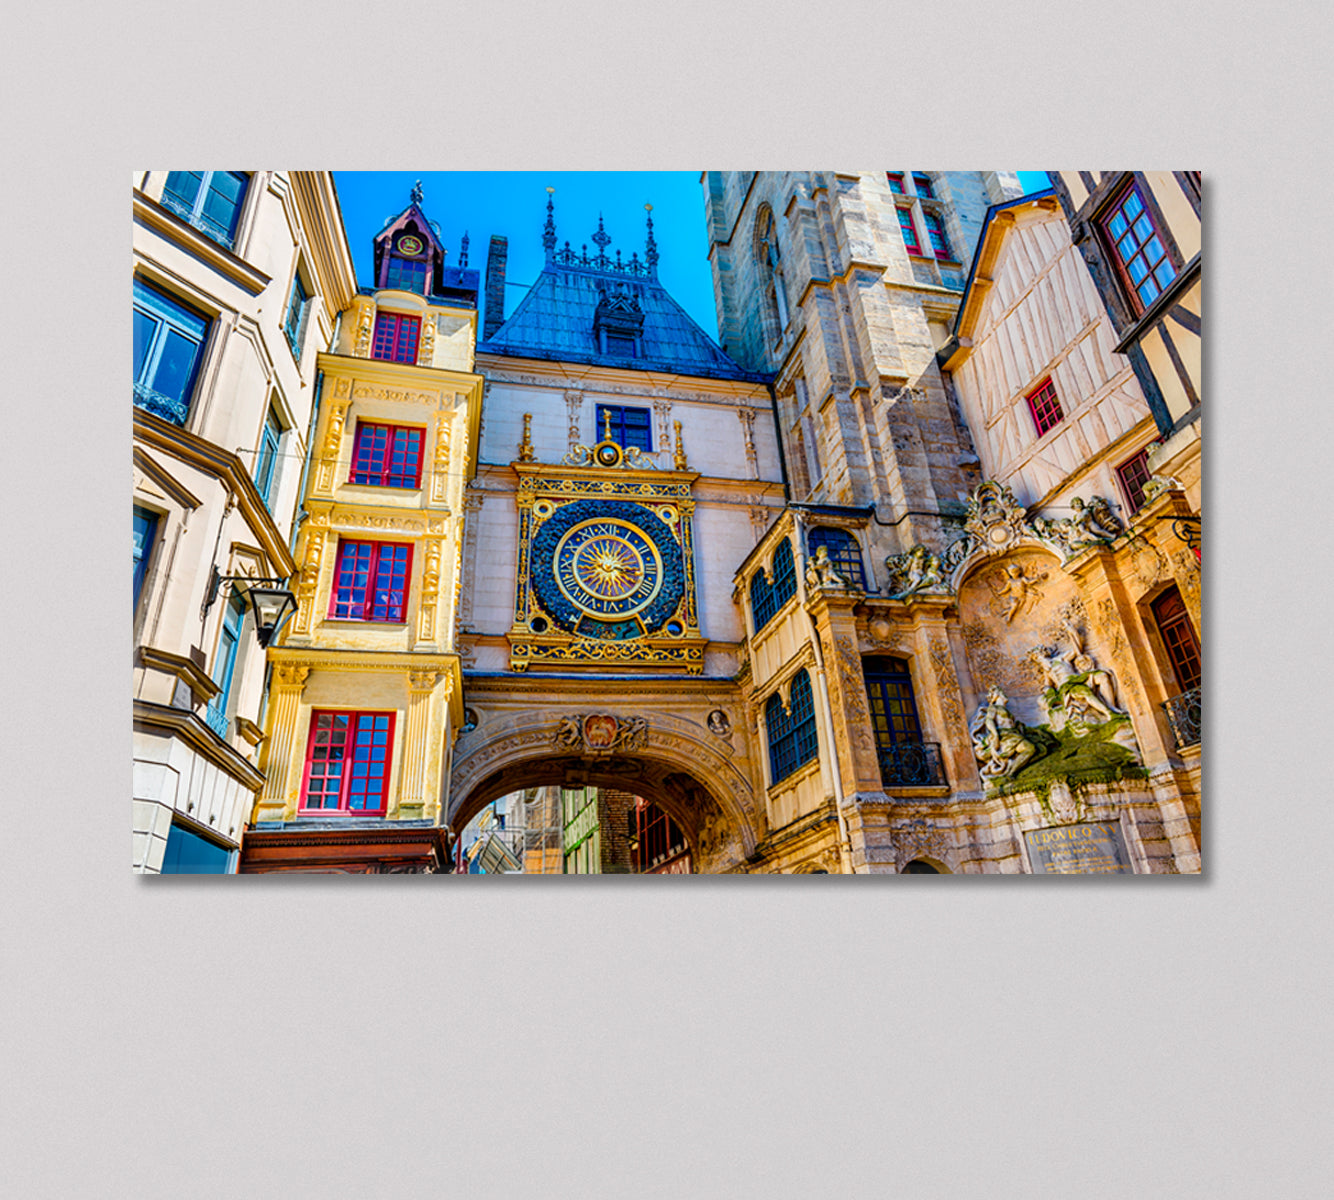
[574, 402]
[333, 440]
[747, 418]
[467, 551]
[440, 460]
[308, 584]
[278, 801]
[662, 409]
[410, 803]
[426, 348]
[365, 327]
[430, 595]
[858, 763]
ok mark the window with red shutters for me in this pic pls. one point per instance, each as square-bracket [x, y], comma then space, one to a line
[387, 455]
[1045, 407]
[1179, 640]
[347, 762]
[371, 581]
[1134, 474]
[396, 337]
[909, 231]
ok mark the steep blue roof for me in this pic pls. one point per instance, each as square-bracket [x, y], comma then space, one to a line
[556, 319]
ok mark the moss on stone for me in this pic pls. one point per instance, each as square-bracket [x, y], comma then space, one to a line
[1079, 761]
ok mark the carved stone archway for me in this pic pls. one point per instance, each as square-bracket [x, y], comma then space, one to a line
[670, 759]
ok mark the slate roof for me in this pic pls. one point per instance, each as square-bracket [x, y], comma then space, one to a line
[555, 321]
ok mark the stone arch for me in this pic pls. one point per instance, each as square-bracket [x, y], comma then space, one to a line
[673, 765]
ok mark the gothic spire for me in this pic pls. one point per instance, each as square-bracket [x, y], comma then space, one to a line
[651, 250]
[463, 251]
[549, 230]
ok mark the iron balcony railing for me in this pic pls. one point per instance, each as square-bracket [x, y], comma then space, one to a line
[1183, 714]
[911, 764]
[159, 405]
[216, 716]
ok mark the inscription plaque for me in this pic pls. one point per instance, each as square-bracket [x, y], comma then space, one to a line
[1089, 849]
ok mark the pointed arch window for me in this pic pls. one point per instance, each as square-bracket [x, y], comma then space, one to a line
[792, 737]
[766, 597]
[769, 255]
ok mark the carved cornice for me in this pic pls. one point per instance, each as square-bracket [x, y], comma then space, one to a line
[202, 688]
[188, 728]
[227, 467]
[153, 216]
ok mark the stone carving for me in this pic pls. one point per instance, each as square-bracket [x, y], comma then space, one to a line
[662, 409]
[918, 571]
[440, 463]
[1012, 587]
[999, 741]
[365, 391]
[423, 681]
[820, 572]
[991, 665]
[426, 351]
[747, 418]
[574, 401]
[309, 581]
[947, 683]
[365, 322]
[600, 732]
[917, 839]
[291, 675]
[1088, 524]
[1156, 485]
[719, 725]
[1079, 693]
[1149, 563]
[430, 593]
[995, 522]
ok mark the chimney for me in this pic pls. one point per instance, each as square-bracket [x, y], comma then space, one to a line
[494, 316]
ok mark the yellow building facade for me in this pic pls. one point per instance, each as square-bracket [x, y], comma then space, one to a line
[367, 696]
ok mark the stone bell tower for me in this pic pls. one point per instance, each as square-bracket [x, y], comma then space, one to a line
[845, 285]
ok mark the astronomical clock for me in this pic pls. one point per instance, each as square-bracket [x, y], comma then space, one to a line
[606, 572]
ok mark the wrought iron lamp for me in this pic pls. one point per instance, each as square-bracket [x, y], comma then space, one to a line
[270, 601]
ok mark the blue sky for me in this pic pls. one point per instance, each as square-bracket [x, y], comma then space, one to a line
[513, 205]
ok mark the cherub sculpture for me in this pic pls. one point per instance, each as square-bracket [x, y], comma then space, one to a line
[1012, 586]
[917, 571]
[820, 572]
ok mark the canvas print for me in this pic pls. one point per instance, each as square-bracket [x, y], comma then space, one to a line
[718, 522]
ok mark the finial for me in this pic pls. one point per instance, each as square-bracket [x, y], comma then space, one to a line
[416, 195]
[606, 425]
[651, 250]
[526, 446]
[549, 229]
[679, 458]
[601, 238]
[463, 251]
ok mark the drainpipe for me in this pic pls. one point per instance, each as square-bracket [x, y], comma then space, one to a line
[826, 706]
[301, 513]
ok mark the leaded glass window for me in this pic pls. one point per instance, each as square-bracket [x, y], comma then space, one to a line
[844, 553]
[791, 729]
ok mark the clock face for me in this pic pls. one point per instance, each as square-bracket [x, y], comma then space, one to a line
[409, 245]
[607, 568]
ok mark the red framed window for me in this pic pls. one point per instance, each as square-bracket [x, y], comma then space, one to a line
[371, 581]
[1179, 640]
[895, 182]
[935, 231]
[1138, 248]
[387, 455]
[1134, 474]
[347, 762]
[909, 231]
[396, 337]
[922, 182]
[1045, 407]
